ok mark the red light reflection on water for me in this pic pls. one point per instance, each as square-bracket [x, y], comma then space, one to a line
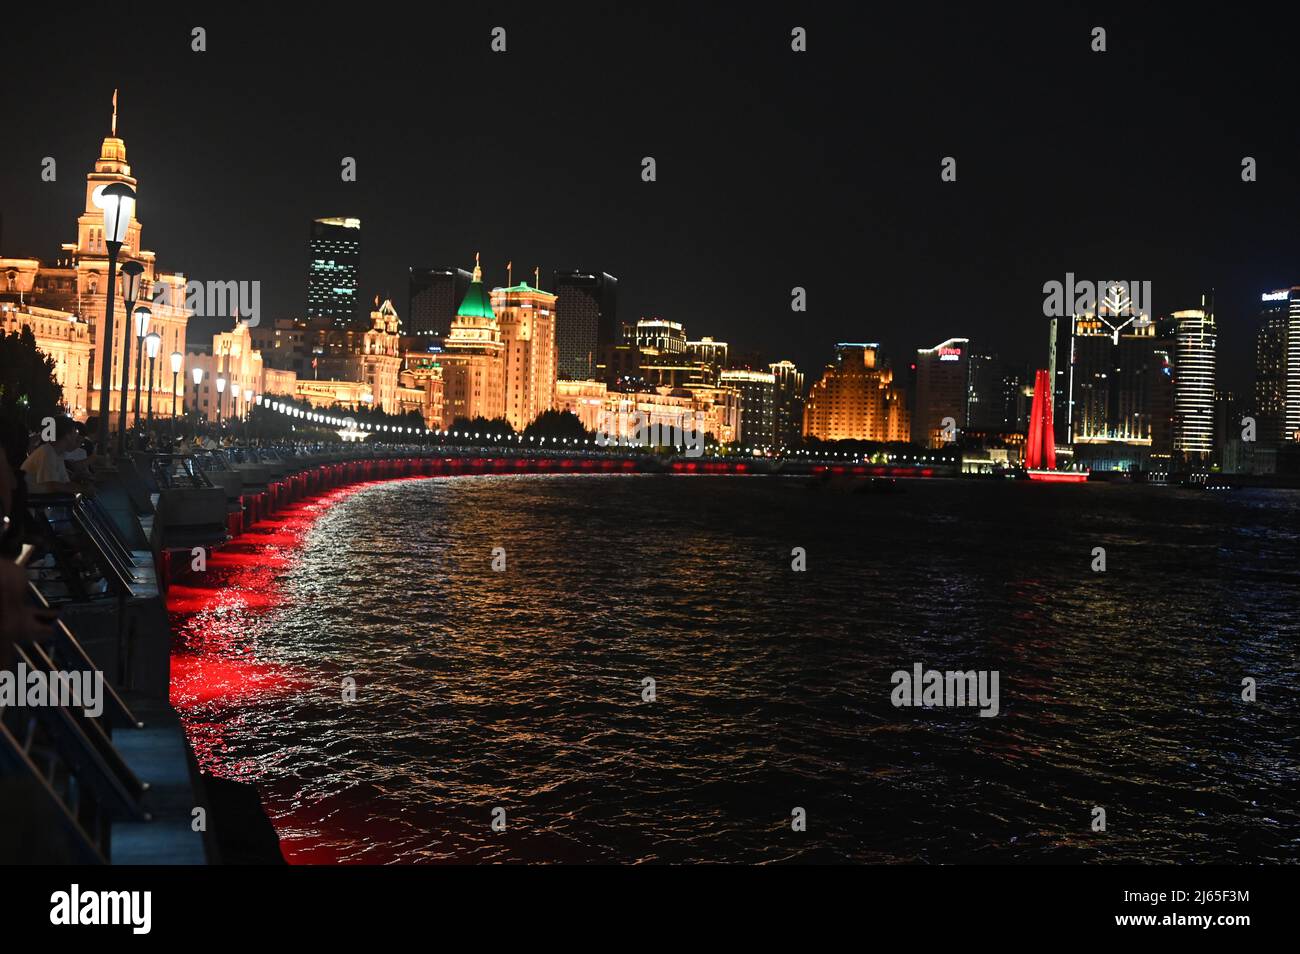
[214, 617]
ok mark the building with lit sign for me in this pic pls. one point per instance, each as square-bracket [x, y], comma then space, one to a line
[942, 392]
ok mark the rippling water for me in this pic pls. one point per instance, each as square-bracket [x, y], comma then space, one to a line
[522, 689]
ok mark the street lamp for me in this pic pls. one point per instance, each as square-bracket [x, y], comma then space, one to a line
[117, 200]
[131, 272]
[197, 374]
[141, 315]
[221, 389]
[153, 343]
[178, 359]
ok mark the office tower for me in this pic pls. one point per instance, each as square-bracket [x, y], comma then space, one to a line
[526, 317]
[1271, 368]
[986, 403]
[333, 270]
[1113, 377]
[789, 403]
[942, 392]
[433, 296]
[473, 365]
[586, 321]
[1194, 381]
[757, 405]
[856, 400]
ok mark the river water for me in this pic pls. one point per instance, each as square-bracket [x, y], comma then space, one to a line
[519, 696]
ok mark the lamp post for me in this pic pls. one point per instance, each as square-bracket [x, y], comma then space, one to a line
[177, 360]
[131, 272]
[153, 343]
[221, 389]
[117, 200]
[197, 374]
[248, 412]
[141, 315]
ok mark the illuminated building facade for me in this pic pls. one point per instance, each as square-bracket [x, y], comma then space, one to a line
[942, 391]
[788, 409]
[856, 400]
[333, 270]
[64, 337]
[708, 353]
[423, 372]
[757, 390]
[1277, 379]
[1195, 361]
[1116, 380]
[473, 359]
[583, 399]
[586, 321]
[232, 359]
[526, 317]
[285, 345]
[76, 284]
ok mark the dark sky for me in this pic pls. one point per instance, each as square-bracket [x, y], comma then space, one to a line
[775, 169]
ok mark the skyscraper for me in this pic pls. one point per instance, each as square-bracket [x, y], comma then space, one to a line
[986, 406]
[942, 391]
[526, 317]
[586, 309]
[1113, 377]
[1277, 368]
[1195, 362]
[333, 271]
[433, 296]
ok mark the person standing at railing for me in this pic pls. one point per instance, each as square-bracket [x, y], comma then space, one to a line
[46, 470]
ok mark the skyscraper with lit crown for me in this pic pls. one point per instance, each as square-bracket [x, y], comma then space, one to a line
[1195, 362]
[333, 272]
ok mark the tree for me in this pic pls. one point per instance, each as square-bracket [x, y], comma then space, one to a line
[28, 387]
[486, 429]
[556, 425]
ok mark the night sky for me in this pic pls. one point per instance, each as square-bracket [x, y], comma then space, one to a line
[776, 169]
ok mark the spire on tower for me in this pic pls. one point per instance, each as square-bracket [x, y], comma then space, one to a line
[478, 272]
[114, 133]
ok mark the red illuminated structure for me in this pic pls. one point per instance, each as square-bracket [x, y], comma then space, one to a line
[1040, 449]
